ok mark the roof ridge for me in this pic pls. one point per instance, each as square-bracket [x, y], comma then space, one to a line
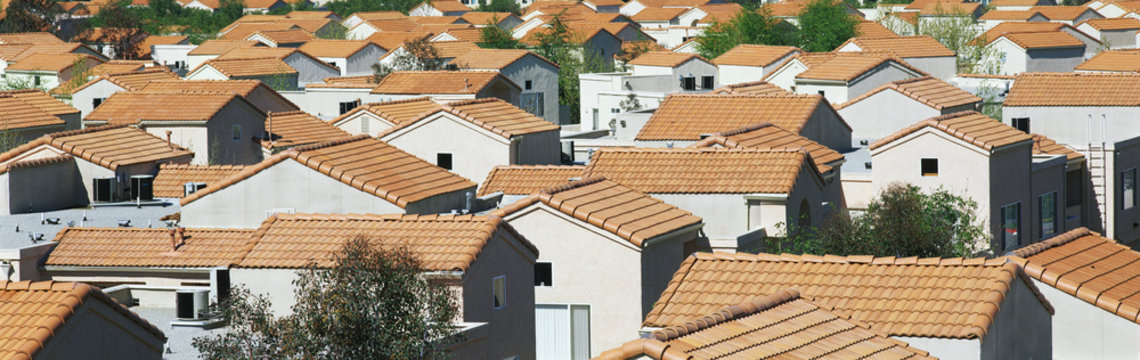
[727, 314]
[1055, 241]
[911, 80]
[329, 143]
[589, 180]
[290, 112]
[454, 104]
[851, 259]
[67, 133]
[745, 129]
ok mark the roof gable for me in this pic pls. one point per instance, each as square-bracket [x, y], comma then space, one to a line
[903, 46]
[145, 247]
[108, 146]
[768, 136]
[438, 82]
[969, 126]
[396, 112]
[762, 88]
[1074, 89]
[927, 90]
[528, 179]
[491, 114]
[755, 55]
[687, 117]
[703, 170]
[294, 128]
[133, 107]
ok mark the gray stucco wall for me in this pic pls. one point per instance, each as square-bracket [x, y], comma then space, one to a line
[1023, 328]
[1006, 166]
[885, 73]
[1119, 39]
[1048, 177]
[512, 327]
[1054, 60]
[1126, 224]
[544, 79]
[43, 188]
[827, 128]
[1083, 330]
[942, 67]
[1070, 124]
[869, 121]
[96, 331]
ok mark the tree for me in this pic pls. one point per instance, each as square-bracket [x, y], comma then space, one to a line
[747, 27]
[345, 8]
[561, 45]
[121, 28]
[31, 16]
[418, 55]
[960, 33]
[508, 6]
[824, 25]
[493, 37]
[630, 103]
[902, 221]
[375, 302]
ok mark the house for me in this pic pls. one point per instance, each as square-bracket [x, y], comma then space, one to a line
[685, 119]
[516, 182]
[360, 17]
[256, 92]
[445, 52]
[481, 134]
[1017, 191]
[1055, 51]
[921, 52]
[29, 114]
[1112, 9]
[1068, 15]
[271, 71]
[656, 17]
[88, 96]
[1112, 61]
[443, 8]
[211, 49]
[376, 118]
[653, 77]
[44, 319]
[789, 11]
[1088, 280]
[472, 34]
[949, 13]
[903, 298]
[1092, 45]
[296, 128]
[752, 88]
[1015, 5]
[909, 101]
[1115, 33]
[172, 178]
[446, 85]
[282, 38]
[352, 57]
[502, 20]
[595, 39]
[994, 17]
[326, 177]
[753, 329]
[242, 30]
[604, 6]
[309, 69]
[873, 29]
[840, 76]
[49, 70]
[1089, 113]
[537, 76]
[576, 224]
[369, 28]
[219, 127]
[748, 63]
[742, 193]
[95, 164]
[484, 261]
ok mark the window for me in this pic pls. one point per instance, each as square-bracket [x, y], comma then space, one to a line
[688, 83]
[96, 102]
[929, 167]
[236, 132]
[563, 331]
[543, 274]
[1074, 186]
[36, 79]
[348, 106]
[527, 85]
[1048, 214]
[1010, 225]
[179, 64]
[533, 103]
[1128, 189]
[595, 112]
[614, 110]
[1021, 124]
[707, 82]
[443, 160]
[499, 289]
[365, 125]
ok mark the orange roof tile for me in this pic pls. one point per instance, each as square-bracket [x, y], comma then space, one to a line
[171, 177]
[1010, 27]
[114, 68]
[18, 114]
[658, 14]
[313, 25]
[665, 58]
[762, 88]
[928, 90]
[248, 67]
[245, 88]
[292, 36]
[625, 212]
[1001, 3]
[1044, 40]
[1021, 15]
[847, 66]
[334, 48]
[903, 46]
[293, 128]
[492, 114]
[449, 5]
[1124, 23]
[1046, 146]
[468, 34]
[777, 326]
[108, 146]
[29, 37]
[871, 29]
[493, 58]
[397, 112]
[132, 107]
[35, 312]
[218, 47]
[50, 62]
[389, 40]
[441, 242]
[435, 20]
[437, 82]
[378, 15]
[366, 164]
[969, 126]
[1055, 13]
[144, 247]
[700, 171]
[941, 298]
[309, 14]
[1088, 266]
[528, 179]
[768, 136]
[41, 100]
[1113, 61]
[401, 24]
[1074, 89]
[754, 55]
[129, 80]
[485, 17]
[453, 48]
[949, 9]
[688, 116]
[244, 30]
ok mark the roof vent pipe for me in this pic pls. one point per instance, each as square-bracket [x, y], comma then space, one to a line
[176, 238]
[470, 203]
[168, 143]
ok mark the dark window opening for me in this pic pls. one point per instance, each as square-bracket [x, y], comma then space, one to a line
[929, 167]
[543, 274]
[348, 106]
[443, 160]
[707, 82]
[688, 83]
[1021, 124]
[528, 85]
[96, 102]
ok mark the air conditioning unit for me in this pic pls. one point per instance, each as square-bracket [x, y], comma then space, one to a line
[104, 189]
[191, 304]
[142, 187]
[192, 187]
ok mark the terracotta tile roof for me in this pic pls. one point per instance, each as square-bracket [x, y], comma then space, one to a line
[453, 49]
[437, 82]
[333, 48]
[171, 177]
[132, 107]
[762, 88]
[768, 136]
[627, 213]
[1074, 89]
[528, 179]
[359, 79]
[1046, 146]
[1044, 40]
[658, 14]
[400, 25]
[904, 46]
[440, 28]
[441, 242]
[36, 162]
[1113, 61]
[1021, 15]
[928, 90]
[664, 58]
[309, 14]
[777, 326]
[909, 17]
[378, 15]
[144, 247]
[1088, 266]
[871, 29]
[16, 114]
[312, 25]
[293, 128]
[244, 30]
[249, 67]
[580, 33]
[258, 52]
[491, 114]
[1069, 13]
[218, 47]
[108, 146]
[785, 8]
[930, 297]
[392, 39]
[468, 34]
[1000, 3]
[114, 68]
[41, 100]
[847, 66]
[9, 51]
[29, 37]
[397, 112]
[449, 5]
[1124, 23]
[292, 36]
[700, 171]
[435, 20]
[137, 80]
[34, 312]
[688, 116]
[485, 17]
[1010, 27]
[366, 164]
[949, 9]
[969, 126]
[493, 58]
[49, 62]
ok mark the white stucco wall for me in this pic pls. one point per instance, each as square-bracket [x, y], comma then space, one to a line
[83, 99]
[474, 150]
[1083, 330]
[869, 121]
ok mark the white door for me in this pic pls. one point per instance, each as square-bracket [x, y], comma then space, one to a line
[562, 331]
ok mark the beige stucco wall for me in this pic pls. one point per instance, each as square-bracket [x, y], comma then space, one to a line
[1083, 330]
[870, 122]
[213, 143]
[353, 123]
[82, 99]
[42, 188]
[474, 150]
[97, 331]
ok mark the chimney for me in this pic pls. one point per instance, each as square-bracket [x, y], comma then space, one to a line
[168, 144]
[176, 238]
